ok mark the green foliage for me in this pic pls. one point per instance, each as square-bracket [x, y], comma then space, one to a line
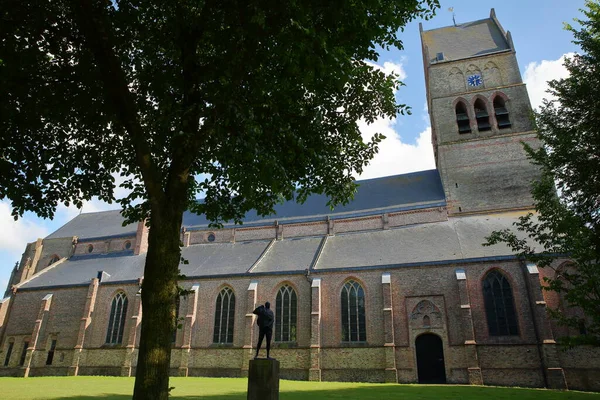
[568, 225]
[248, 103]
[260, 100]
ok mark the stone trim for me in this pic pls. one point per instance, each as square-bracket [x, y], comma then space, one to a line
[314, 373]
[37, 328]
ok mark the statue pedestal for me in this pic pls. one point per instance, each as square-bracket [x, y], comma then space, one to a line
[263, 380]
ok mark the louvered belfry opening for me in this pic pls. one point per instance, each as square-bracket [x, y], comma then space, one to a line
[501, 112]
[462, 118]
[482, 116]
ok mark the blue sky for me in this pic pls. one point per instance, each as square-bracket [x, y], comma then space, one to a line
[540, 41]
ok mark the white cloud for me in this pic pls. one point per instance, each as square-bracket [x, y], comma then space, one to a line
[389, 67]
[396, 157]
[537, 75]
[15, 234]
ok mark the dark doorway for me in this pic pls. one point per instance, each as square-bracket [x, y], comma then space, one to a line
[430, 359]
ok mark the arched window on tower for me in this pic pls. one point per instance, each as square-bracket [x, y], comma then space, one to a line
[353, 313]
[285, 314]
[501, 113]
[116, 321]
[224, 316]
[482, 116]
[462, 118]
[499, 305]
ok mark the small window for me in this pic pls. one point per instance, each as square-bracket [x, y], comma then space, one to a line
[462, 118]
[23, 353]
[8, 353]
[426, 321]
[51, 352]
[90, 248]
[501, 113]
[54, 259]
[211, 237]
[127, 245]
[482, 116]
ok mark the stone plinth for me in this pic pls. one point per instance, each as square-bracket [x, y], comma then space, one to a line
[263, 380]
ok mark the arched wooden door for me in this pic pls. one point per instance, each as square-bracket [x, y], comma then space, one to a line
[430, 359]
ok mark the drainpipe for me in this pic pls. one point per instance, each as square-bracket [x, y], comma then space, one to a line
[523, 265]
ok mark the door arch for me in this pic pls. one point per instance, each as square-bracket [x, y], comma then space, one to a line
[430, 359]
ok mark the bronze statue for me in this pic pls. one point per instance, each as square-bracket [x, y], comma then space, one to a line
[265, 326]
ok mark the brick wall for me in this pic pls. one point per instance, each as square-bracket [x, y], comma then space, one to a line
[512, 360]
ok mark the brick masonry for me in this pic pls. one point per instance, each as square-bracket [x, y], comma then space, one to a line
[481, 172]
[513, 360]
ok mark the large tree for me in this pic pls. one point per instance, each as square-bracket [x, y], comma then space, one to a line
[567, 224]
[247, 102]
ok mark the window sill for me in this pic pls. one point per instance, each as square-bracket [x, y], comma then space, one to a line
[284, 345]
[220, 345]
[354, 344]
[113, 346]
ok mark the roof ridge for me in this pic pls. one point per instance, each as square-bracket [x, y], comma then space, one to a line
[460, 25]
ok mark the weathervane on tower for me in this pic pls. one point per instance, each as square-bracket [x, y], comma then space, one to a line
[451, 9]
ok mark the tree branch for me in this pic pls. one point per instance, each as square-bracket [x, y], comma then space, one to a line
[91, 19]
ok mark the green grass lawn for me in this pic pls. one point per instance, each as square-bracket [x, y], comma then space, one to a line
[95, 387]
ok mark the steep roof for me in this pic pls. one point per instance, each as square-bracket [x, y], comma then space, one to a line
[465, 40]
[459, 239]
[95, 225]
[391, 193]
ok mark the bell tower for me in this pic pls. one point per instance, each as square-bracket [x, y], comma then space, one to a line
[480, 115]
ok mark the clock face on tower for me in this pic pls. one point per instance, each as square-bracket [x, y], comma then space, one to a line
[474, 80]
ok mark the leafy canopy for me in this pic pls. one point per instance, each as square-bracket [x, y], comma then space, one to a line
[569, 225]
[259, 101]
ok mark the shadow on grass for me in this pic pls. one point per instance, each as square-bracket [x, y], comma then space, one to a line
[411, 392]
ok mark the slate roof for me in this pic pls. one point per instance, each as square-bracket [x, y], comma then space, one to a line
[391, 193]
[398, 192]
[221, 258]
[95, 225]
[81, 270]
[295, 254]
[455, 240]
[458, 238]
[465, 40]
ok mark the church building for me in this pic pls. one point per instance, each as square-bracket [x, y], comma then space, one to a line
[393, 287]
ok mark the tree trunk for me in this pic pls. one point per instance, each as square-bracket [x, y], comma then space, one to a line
[159, 290]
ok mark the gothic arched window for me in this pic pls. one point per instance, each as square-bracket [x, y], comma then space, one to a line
[482, 116]
[501, 113]
[499, 305]
[116, 321]
[224, 316]
[353, 313]
[285, 314]
[462, 118]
